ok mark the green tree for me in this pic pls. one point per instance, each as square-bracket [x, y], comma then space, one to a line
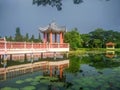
[97, 37]
[18, 36]
[86, 39]
[97, 43]
[39, 38]
[27, 37]
[55, 3]
[32, 38]
[73, 38]
[9, 38]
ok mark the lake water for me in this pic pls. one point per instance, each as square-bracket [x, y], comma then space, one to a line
[88, 71]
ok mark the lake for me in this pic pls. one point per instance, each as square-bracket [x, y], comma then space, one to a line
[89, 71]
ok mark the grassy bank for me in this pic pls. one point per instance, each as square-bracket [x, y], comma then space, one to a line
[91, 50]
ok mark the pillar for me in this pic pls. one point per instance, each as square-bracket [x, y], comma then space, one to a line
[32, 57]
[5, 60]
[55, 37]
[61, 71]
[54, 55]
[41, 55]
[25, 57]
[61, 37]
[50, 71]
[50, 37]
[0, 57]
[44, 37]
[10, 57]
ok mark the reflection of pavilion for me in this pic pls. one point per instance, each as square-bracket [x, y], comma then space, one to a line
[110, 54]
[52, 67]
[55, 68]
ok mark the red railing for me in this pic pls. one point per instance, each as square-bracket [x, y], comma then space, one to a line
[29, 45]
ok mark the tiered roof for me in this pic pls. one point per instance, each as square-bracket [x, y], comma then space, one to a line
[53, 27]
[110, 44]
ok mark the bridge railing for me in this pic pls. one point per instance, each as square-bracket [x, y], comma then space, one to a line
[30, 45]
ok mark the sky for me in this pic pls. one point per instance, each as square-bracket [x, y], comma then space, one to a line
[86, 16]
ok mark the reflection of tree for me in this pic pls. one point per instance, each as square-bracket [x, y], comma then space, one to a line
[101, 61]
[74, 64]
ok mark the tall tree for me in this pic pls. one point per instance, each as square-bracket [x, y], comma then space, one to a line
[39, 38]
[27, 37]
[73, 37]
[86, 39]
[32, 38]
[18, 36]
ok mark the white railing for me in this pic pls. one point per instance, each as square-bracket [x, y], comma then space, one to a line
[27, 47]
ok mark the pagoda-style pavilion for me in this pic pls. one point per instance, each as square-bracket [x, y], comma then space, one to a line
[110, 45]
[51, 32]
[110, 53]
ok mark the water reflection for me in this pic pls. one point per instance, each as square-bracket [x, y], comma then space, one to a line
[110, 54]
[84, 72]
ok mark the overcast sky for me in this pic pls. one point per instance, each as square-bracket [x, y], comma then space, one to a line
[86, 16]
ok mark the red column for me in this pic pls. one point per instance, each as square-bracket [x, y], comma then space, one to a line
[61, 37]
[51, 37]
[50, 71]
[61, 71]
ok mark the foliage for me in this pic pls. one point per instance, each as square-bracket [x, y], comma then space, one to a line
[95, 39]
[21, 38]
[99, 37]
[55, 3]
[18, 36]
[73, 38]
[74, 65]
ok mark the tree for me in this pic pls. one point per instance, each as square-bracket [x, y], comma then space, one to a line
[86, 39]
[32, 38]
[9, 38]
[27, 37]
[55, 3]
[39, 38]
[18, 36]
[73, 38]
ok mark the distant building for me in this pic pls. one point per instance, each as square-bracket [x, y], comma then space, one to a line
[110, 45]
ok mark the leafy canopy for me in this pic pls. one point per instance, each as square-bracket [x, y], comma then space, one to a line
[55, 3]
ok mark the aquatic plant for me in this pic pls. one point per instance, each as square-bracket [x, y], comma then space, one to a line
[19, 81]
[28, 88]
[9, 88]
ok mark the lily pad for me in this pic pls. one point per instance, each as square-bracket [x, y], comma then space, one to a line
[9, 88]
[58, 84]
[19, 81]
[45, 81]
[28, 88]
[28, 79]
[43, 88]
[34, 83]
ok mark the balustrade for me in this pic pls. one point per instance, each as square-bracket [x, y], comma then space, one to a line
[23, 46]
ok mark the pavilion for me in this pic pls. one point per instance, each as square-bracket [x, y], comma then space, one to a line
[110, 45]
[51, 32]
